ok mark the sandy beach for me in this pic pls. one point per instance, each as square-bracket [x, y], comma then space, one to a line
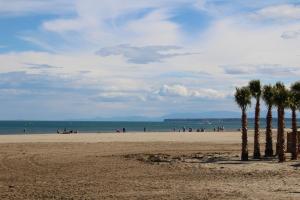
[215, 137]
[140, 166]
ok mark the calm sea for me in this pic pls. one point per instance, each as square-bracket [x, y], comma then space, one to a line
[34, 127]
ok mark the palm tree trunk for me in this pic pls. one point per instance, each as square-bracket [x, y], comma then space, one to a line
[256, 154]
[269, 139]
[244, 136]
[281, 146]
[298, 142]
[278, 125]
[294, 135]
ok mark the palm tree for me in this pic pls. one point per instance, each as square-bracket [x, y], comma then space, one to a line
[280, 99]
[268, 97]
[243, 99]
[255, 89]
[294, 102]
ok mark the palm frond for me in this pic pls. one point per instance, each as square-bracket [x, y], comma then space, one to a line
[243, 97]
[255, 88]
[268, 94]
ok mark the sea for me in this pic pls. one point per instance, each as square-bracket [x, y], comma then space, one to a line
[167, 125]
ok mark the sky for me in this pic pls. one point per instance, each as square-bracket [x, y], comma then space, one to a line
[111, 59]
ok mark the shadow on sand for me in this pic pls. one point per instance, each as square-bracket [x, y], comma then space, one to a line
[218, 158]
[296, 165]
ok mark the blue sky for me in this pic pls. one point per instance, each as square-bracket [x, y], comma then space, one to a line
[85, 59]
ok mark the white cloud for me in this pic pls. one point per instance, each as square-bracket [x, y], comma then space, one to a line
[21, 7]
[38, 42]
[230, 42]
[278, 12]
[41, 66]
[262, 69]
[14, 92]
[142, 54]
[155, 28]
[64, 25]
[200, 4]
[290, 34]
[209, 94]
[115, 97]
[174, 90]
[182, 91]
[95, 27]
[115, 81]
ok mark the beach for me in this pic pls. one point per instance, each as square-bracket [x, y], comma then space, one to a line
[215, 137]
[140, 166]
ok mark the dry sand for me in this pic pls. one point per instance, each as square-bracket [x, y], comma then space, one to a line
[140, 166]
[215, 137]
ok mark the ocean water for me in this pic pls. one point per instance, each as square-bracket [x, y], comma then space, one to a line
[40, 127]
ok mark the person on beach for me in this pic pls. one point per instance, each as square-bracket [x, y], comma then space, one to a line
[124, 130]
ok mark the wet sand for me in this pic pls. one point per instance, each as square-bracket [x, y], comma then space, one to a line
[140, 166]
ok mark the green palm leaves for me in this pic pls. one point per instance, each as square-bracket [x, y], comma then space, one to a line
[243, 97]
[274, 96]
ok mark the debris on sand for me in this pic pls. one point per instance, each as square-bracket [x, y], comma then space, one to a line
[193, 158]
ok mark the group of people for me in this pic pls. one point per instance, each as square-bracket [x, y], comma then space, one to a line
[124, 130]
[119, 131]
[183, 129]
[65, 131]
[219, 129]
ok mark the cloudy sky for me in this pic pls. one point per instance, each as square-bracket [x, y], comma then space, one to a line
[84, 59]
